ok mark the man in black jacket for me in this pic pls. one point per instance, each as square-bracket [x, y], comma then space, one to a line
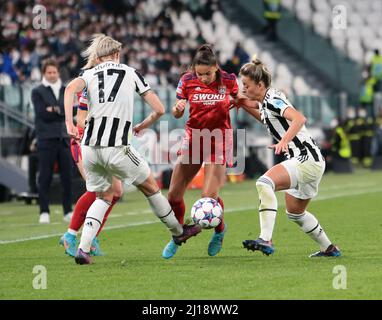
[53, 143]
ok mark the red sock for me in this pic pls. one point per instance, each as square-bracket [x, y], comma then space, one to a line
[115, 200]
[80, 209]
[221, 226]
[179, 209]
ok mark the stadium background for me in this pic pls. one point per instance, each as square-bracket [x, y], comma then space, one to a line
[322, 56]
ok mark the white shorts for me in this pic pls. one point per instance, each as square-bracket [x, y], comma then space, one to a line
[305, 177]
[122, 162]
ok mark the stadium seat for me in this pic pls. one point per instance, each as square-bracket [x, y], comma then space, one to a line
[363, 24]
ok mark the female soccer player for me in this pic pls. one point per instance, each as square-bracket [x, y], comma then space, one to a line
[299, 175]
[207, 89]
[68, 240]
[106, 149]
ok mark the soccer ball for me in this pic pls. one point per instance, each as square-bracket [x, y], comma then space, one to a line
[207, 212]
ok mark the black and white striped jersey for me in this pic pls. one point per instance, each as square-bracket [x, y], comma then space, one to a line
[110, 91]
[272, 115]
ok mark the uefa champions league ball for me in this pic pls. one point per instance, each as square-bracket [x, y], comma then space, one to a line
[207, 212]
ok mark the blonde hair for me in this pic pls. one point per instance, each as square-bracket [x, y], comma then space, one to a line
[100, 46]
[256, 71]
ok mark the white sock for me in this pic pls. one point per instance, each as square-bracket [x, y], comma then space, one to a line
[162, 209]
[93, 221]
[73, 232]
[268, 206]
[310, 225]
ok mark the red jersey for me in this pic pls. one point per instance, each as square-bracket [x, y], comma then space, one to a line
[209, 104]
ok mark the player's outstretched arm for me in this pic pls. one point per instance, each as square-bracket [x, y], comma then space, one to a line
[250, 106]
[158, 110]
[76, 85]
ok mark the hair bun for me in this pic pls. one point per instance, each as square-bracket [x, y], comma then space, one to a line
[255, 60]
[206, 47]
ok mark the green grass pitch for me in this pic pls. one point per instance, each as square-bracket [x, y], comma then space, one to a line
[349, 207]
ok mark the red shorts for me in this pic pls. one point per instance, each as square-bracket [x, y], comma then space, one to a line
[208, 146]
[75, 146]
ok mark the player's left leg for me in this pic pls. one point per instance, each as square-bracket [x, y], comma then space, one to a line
[296, 212]
[162, 209]
[214, 178]
[180, 179]
[276, 178]
[95, 248]
[93, 221]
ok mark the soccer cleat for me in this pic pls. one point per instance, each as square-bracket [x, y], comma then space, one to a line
[216, 242]
[95, 249]
[266, 247]
[82, 257]
[188, 232]
[331, 251]
[170, 250]
[69, 242]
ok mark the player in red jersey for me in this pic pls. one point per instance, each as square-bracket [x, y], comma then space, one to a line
[208, 91]
[68, 240]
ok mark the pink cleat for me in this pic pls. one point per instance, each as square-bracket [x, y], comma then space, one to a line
[82, 257]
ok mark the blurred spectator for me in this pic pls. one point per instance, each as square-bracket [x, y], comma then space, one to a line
[341, 152]
[367, 134]
[152, 44]
[8, 74]
[272, 13]
[53, 143]
[340, 144]
[241, 54]
[353, 128]
[376, 70]
[366, 97]
[233, 65]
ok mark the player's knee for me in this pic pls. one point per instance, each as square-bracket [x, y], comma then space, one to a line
[107, 197]
[117, 190]
[265, 187]
[174, 196]
[264, 183]
[294, 216]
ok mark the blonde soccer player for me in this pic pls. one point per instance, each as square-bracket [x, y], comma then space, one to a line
[106, 149]
[299, 175]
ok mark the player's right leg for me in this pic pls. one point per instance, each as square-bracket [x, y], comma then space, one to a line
[180, 179]
[99, 180]
[95, 249]
[214, 179]
[276, 178]
[308, 223]
[69, 240]
[162, 209]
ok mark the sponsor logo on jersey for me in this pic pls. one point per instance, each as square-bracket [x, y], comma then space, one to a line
[208, 97]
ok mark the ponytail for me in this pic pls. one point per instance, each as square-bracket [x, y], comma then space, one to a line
[256, 71]
[100, 46]
[205, 55]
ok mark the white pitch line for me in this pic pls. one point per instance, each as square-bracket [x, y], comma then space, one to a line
[232, 210]
[46, 236]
